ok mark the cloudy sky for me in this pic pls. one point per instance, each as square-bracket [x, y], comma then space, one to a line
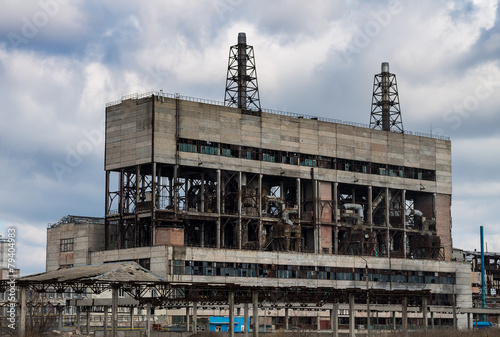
[61, 61]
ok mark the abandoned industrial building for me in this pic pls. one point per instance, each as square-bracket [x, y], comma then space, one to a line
[303, 219]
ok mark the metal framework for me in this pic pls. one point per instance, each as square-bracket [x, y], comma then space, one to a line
[150, 290]
[242, 90]
[240, 210]
[385, 111]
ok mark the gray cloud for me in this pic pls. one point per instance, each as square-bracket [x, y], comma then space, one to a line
[316, 58]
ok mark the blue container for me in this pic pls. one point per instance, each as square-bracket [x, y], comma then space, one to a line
[221, 323]
[482, 325]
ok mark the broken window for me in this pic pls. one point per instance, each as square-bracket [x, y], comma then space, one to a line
[67, 245]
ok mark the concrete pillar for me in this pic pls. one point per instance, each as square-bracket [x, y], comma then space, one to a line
[335, 202]
[22, 316]
[106, 210]
[403, 219]
[202, 238]
[368, 312]
[245, 324]
[316, 230]
[255, 308]
[60, 318]
[114, 312]
[331, 322]
[454, 317]
[240, 186]
[219, 181]
[148, 320]
[455, 325]
[286, 319]
[318, 321]
[131, 317]
[105, 323]
[351, 316]
[173, 187]
[154, 200]
[78, 315]
[299, 201]
[432, 320]
[87, 326]
[370, 206]
[424, 312]
[468, 321]
[404, 314]
[195, 316]
[202, 192]
[121, 208]
[231, 314]
[188, 321]
[334, 320]
[387, 220]
[393, 320]
[336, 240]
[259, 203]
[137, 183]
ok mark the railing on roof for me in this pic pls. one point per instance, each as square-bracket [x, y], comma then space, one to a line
[76, 220]
[271, 111]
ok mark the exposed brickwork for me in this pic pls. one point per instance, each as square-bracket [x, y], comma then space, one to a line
[325, 192]
[443, 223]
[326, 238]
[170, 236]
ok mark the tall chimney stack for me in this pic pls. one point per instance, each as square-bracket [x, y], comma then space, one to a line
[242, 70]
[385, 111]
[242, 91]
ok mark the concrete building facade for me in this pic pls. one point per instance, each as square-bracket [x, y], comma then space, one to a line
[8, 250]
[201, 193]
[226, 179]
[71, 240]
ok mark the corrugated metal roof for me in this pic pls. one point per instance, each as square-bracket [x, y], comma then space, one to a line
[122, 272]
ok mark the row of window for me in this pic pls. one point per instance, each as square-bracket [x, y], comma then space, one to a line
[206, 268]
[295, 158]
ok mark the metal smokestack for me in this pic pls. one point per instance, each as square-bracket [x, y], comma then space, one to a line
[242, 70]
[385, 67]
[386, 103]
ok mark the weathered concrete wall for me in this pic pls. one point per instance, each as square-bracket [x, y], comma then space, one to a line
[141, 333]
[129, 141]
[159, 257]
[87, 238]
[129, 133]
[443, 223]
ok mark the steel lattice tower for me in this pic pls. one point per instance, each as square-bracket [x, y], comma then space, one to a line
[242, 90]
[385, 112]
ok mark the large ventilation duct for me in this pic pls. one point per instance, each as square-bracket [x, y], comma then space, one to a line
[357, 207]
[414, 212]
